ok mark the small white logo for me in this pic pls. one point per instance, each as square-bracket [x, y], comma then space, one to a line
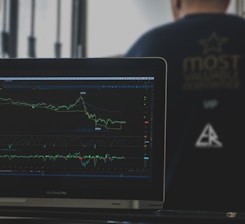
[208, 138]
[210, 104]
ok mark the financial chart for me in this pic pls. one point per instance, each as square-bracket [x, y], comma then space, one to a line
[76, 126]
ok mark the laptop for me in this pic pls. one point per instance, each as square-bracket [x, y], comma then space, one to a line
[83, 133]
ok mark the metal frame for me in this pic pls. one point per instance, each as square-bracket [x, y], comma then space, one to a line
[240, 8]
[78, 43]
[13, 28]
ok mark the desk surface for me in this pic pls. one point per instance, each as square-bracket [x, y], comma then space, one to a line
[116, 217]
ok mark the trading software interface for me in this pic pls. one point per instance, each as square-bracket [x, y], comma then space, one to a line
[76, 126]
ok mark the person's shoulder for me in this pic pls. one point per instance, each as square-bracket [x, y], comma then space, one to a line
[154, 40]
[167, 30]
[235, 19]
[160, 32]
[216, 18]
[235, 25]
[148, 43]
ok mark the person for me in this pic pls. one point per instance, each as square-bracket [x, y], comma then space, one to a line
[204, 48]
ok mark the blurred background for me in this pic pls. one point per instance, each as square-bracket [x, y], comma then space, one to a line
[80, 28]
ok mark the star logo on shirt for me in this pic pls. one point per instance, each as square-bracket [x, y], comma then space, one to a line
[213, 43]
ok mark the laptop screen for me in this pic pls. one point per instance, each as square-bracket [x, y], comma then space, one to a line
[87, 133]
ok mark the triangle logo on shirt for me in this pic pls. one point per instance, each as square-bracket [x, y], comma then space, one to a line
[208, 138]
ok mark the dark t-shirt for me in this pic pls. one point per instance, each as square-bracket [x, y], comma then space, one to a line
[206, 65]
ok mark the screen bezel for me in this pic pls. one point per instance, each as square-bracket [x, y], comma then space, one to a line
[97, 67]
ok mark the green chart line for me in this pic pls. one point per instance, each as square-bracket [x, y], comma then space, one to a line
[84, 159]
[78, 106]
